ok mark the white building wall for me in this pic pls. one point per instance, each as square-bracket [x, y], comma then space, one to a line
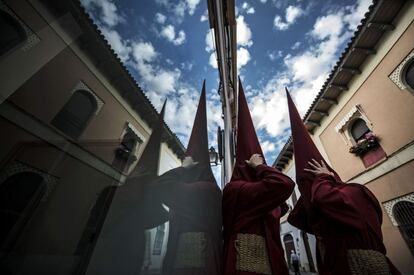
[168, 161]
[286, 228]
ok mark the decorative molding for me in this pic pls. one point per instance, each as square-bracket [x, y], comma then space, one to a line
[135, 130]
[397, 75]
[82, 86]
[51, 136]
[343, 126]
[355, 112]
[31, 38]
[389, 205]
[16, 167]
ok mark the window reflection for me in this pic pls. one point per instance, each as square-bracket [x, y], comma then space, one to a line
[93, 182]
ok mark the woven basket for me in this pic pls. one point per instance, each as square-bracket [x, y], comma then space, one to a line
[191, 250]
[252, 254]
[366, 262]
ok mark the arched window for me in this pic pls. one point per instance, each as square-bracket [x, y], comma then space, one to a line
[19, 196]
[358, 129]
[130, 141]
[403, 212]
[159, 238]
[11, 31]
[409, 75]
[76, 113]
[289, 246]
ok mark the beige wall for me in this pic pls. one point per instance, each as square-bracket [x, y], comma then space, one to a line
[17, 66]
[45, 93]
[395, 184]
[389, 109]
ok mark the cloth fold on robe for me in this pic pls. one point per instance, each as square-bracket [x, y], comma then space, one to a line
[253, 203]
[195, 207]
[194, 200]
[343, 217]
[254, 208]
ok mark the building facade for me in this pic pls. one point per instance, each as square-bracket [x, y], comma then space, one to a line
[362, 120]
[73, 122]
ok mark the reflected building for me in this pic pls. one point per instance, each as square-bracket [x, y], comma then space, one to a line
[361, 123]
[74, 124]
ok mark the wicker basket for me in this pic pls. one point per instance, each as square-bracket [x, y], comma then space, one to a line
[252, 254]
[366, 262]
[191, 250]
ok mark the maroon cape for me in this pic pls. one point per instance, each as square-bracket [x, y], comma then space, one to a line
[194, 200]
[194, 206]
[342, 216]
[255, 208]
[254, 199]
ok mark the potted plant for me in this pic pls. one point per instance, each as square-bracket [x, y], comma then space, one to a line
[369, 141]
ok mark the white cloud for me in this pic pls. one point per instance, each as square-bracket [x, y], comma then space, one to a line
[120, 47]
[243, 57]
[180, 38]
[108, 13]
[204, 16]
[304, 72]
[296, 45]
[246, 8]
[279, 24]
[269, 110]
[292, 13]
[275, 55]
[330, 25]
[356, 13]
[213, 60]
[263, 1]
[160, 18]
[209, 40]
[244, 34]
[158, 81]
[180, 8]
[267, 147]
[192, 5]
[143, 51]
[169, 33]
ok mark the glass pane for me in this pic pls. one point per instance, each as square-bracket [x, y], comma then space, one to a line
[359, 129]
[409, 75]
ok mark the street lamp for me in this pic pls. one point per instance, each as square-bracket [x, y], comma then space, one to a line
[214, 157]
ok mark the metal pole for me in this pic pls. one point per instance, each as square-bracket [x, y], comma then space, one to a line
[228, 158]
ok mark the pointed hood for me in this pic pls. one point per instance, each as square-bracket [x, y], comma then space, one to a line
[148, 163]
[247, 141]
[198, 143]
[304, 148]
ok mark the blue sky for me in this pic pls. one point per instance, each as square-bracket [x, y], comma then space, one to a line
[167, 46]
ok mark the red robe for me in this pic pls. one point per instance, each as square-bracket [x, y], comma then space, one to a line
[342, 216]
[256, 208]
[194, 206]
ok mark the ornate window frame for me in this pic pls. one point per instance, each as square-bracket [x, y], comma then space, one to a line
[398, 74]
[32, 39]
[82, 86]
[343, 127]
[16, 167]
[129, 127]
[389, 205]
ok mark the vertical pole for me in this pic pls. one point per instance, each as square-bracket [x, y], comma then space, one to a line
[222, 53]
